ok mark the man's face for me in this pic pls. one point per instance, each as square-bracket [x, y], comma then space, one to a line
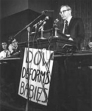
[15, 44]
[65, 13]
[4, 46]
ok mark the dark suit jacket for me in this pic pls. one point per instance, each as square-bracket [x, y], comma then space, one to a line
[75, 29]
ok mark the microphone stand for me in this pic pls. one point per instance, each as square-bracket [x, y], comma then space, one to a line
[28, 29]
[27, 103]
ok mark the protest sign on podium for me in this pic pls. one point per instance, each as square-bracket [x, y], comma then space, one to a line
[40, 71]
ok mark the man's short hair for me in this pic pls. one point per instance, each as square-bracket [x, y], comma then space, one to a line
[67, 6]
[4, 43]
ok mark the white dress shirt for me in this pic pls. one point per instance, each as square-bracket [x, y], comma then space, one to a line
[4, 54]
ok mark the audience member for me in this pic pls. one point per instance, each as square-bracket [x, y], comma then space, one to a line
[13, 46]
[5, 52]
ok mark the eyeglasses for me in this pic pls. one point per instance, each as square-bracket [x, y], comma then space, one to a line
[64, 11]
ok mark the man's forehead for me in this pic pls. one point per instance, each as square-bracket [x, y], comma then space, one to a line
[4, 43]
[63, 8]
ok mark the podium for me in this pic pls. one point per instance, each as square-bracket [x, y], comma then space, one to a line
[55, 44]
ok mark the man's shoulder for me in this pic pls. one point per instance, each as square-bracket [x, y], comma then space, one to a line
[76, 19]
[2, 52]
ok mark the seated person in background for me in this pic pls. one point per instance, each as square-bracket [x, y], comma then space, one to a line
[13, 47]
[72, 27]
[5, 53]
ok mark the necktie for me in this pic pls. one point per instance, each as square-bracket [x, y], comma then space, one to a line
[65, 28]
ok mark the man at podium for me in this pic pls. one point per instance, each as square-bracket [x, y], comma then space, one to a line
[72, 27]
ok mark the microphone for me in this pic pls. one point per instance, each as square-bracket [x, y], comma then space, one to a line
[46, 18]
[45, 11]
[56, 20]
[38, 23]
[41, 22]
[55, 23]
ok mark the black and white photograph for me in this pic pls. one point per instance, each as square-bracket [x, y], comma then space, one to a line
[45, 55]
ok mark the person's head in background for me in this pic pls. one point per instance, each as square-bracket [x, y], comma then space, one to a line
[4, 45]
[90, 43]
[15, 43]
[65, 12]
